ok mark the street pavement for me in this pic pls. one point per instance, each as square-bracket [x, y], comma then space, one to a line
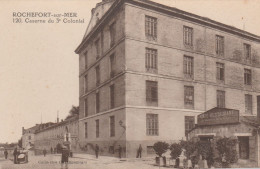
[80, 161]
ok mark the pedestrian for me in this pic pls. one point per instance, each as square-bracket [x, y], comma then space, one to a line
[96, 150]
[6, 153]
[51, 150]
[120, 151]
[139, 151]
[64, 156]
[15, 153]
[44, 152]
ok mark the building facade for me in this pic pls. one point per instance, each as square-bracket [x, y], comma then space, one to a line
[221, 122]
[147, 70]
[54, 136]
[28, 135]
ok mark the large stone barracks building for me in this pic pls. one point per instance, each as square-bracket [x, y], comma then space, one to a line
[147, 70]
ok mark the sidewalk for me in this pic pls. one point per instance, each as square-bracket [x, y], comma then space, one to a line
[110, 159]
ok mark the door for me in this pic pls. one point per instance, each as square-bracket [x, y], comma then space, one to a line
[243, 147]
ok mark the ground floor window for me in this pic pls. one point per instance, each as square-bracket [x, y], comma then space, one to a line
[152, 126]
[206, 138]
[243, 147]
[150, 150]
[189, 124]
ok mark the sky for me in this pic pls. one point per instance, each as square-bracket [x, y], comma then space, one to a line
[38, 66]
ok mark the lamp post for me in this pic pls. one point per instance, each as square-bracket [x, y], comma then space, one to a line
[121, 124]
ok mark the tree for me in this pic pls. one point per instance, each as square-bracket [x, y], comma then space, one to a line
[160, 148]
[176, 150]
[189, 146]
[74, 111]
[227, 151]
[20, 143]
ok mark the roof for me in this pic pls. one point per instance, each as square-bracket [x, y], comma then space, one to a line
[71, 119]
[174, 12]
[251, 120]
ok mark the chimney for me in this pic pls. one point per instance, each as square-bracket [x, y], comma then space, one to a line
[58, 117]
[258, 109]
[22, 130]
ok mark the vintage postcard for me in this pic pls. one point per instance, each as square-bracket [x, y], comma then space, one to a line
[129, 84]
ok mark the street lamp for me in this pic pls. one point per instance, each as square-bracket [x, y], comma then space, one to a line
[121, 124]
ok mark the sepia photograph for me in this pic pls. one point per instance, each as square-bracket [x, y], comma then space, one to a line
[129, 84]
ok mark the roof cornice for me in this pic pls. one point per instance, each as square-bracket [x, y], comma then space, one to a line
[194, 18]
[173, 12]
[100, 23]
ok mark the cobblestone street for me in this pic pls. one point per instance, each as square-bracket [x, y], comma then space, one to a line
[79, 161]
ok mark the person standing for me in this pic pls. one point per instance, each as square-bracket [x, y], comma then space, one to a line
[64, 156]
[44, 152]
[51, 150]
[120, 151]
[15, 153]
[139, 151]
[96, 150]
[6, 153]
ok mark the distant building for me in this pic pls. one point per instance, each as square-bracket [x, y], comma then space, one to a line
[55, 135]
[146, 71]
[29, 134]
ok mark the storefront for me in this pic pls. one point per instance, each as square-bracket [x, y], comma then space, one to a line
[222, 122]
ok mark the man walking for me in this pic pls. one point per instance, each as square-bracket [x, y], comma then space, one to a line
[120, 151]
[96, 150]
[139, 152]
[15, 153]
[6, 153]
[64, 156]
[44, 152]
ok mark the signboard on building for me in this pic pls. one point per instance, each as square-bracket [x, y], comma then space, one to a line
[217, 116]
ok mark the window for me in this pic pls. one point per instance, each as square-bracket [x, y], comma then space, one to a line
[189, 124]
[244, 148]
[219, 45]
[85, 83]
[247, 77]
[150, 150]
[86, 107]
[188, 66]
[86, 130]
[220, 71]
[112, 126]
[152, 128]
[97, 45]
[151, 27]
[248, 104]
[86, 59]
[189, 96]
[29, 137]
[151, 59]
[112, 30]
[97, 128]
[97, 102]
[247, 51]
[97, 75]
[111, 149]
[112, 65]
[152, 92]
[220, 99]
[188, 36]
[112, 96]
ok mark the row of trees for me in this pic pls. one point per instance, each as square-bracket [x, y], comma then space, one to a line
[220, 152]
